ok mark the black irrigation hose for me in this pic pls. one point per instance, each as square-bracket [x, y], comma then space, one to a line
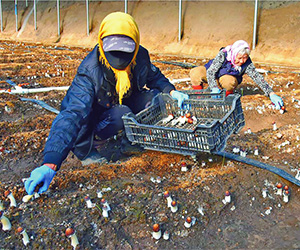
[259, 164]
[42, 104]
[183, 65]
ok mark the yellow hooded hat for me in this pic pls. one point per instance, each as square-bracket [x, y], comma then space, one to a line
[119, 23]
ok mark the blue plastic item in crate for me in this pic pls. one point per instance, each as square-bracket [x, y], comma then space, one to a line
[217, 119]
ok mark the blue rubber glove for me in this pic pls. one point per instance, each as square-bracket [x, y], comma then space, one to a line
[41, 174]
[277, 101]
[215, 91]
[180, 97]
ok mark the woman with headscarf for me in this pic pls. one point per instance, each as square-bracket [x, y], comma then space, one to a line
[226, 71]
[117, 77]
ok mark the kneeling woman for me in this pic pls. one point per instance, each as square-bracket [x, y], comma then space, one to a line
[226, 71]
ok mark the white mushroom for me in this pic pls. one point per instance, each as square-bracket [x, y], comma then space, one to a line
[264, 192]
[274, 126]
[88, 202]
[184, 167]
[227, 198]
[166, 235]
[105, 203]
[279, 189]
[256, 150]
[156, 234]
[9, 195]
[188, 222]
[168, 197]
[1, 206]
[286, 195]
[70, 233]
[105, 211]
[6, 225]
[25, 238]
[27, 198]
[174, 206]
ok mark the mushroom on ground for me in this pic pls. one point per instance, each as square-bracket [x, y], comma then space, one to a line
[27, 198]
[25, 238]
[70, 233]
[105, 211]
[184, 167]
[227, 197]
[274, 126]
[1, 206]
[264, 192]
[88, 202]
[168, 197]
[166, 235]
[279, 189]
[6, 225]
[9, 195]
[286, 195]
[156, 234]
[105, 203]
[188, 222]
[174, 206]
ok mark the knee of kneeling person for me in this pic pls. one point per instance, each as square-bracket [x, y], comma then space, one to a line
[197, 75]
[228, 82]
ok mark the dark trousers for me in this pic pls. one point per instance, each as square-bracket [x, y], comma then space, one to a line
[111, 120]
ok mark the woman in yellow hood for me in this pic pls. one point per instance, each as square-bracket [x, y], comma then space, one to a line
[115, 78]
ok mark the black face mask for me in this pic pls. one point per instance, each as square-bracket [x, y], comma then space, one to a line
[119, 59]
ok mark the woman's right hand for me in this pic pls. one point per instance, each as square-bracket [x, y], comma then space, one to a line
[276, 100]
[42, 174]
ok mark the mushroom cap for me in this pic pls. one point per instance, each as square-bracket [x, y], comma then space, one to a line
[166, 194]
[188, 115]
[183, 163]
[103, 200]
[173, 203]
[286, 187]
[69, 231]
[86, 198]
[20, 229]
[155, 227]
[227, 193]
[279, 185]
[188, 219]
[6, 193]
[287, 192]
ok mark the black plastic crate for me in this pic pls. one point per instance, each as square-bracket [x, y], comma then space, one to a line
[217, 119]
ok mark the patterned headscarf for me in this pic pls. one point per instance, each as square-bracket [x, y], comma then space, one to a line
[119, 23]
[234, 49]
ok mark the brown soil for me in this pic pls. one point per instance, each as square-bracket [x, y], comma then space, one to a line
[136, 201]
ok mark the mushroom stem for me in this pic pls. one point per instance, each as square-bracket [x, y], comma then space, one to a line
[286, 195]
[174, 207]
[27, 198]
[156, 234]
[25, 238]
[264, 192]
[74, 241]
[188, 222]
[1, 206]
[6, 225]
[166, 235]
[70, 233]
[105, 211]
[13, 202]
[279, 189]
[227, 197]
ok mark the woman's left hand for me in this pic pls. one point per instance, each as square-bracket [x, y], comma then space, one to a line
[179, 96]
[276, 100]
